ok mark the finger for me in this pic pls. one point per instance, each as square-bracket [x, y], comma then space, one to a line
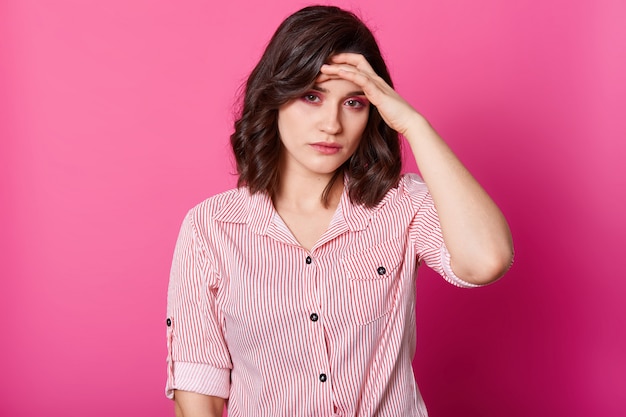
[369, 87]
[350, 73]
[335, 69]
[339, 71]
[330, 69]
[356, 60]
[325, 77]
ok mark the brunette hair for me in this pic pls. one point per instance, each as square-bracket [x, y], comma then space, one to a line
[288, 69]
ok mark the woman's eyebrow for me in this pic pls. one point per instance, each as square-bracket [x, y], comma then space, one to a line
[316, 87]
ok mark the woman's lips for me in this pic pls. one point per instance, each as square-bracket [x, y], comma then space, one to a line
[326, 148]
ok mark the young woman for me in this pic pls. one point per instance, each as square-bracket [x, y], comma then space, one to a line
[294, 294]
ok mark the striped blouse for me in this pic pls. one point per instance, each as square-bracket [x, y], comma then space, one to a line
[282, 331]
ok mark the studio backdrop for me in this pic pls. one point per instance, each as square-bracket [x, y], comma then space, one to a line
[115, 119]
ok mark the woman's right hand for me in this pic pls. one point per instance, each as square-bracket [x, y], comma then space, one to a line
[191, 404]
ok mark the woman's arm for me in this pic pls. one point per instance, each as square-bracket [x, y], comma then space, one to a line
[474, 229]
[191, 404]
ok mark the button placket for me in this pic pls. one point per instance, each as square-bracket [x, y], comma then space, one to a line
[314, 317]
[313, 272]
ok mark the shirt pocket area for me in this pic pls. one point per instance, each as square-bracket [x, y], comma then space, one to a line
[373, 280]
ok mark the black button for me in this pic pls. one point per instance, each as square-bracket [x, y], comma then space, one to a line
[381, 270]
[323, 377]
[314, 317]
[308, 260]
[168, 322]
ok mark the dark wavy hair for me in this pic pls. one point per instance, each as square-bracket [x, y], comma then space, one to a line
[287, 70]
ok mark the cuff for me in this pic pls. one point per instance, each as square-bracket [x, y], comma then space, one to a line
[449, 273]
[199, 378]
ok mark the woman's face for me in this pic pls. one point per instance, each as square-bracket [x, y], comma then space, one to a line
[323, 128]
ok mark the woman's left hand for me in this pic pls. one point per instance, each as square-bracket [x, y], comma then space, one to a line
[395, 111]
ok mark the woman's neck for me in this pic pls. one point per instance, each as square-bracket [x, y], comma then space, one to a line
[304, 193]
[299, 204]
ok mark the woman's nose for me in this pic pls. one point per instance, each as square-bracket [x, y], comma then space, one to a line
[330, 120]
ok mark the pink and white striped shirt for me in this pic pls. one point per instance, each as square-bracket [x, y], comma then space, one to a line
[282, 331]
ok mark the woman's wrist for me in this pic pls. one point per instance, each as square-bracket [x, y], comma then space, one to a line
[418, 128]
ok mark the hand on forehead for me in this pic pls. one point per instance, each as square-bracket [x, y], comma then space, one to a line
[338, 64]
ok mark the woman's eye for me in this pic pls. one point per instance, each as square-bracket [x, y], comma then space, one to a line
[311, 98]
[354, 103]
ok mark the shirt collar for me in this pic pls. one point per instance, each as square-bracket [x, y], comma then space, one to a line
[357, 217]
[257, 210]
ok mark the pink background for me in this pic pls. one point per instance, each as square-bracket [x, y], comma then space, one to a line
[114, 120]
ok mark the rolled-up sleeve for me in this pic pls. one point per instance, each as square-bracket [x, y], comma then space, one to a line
[426, 232]
[198, 359]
